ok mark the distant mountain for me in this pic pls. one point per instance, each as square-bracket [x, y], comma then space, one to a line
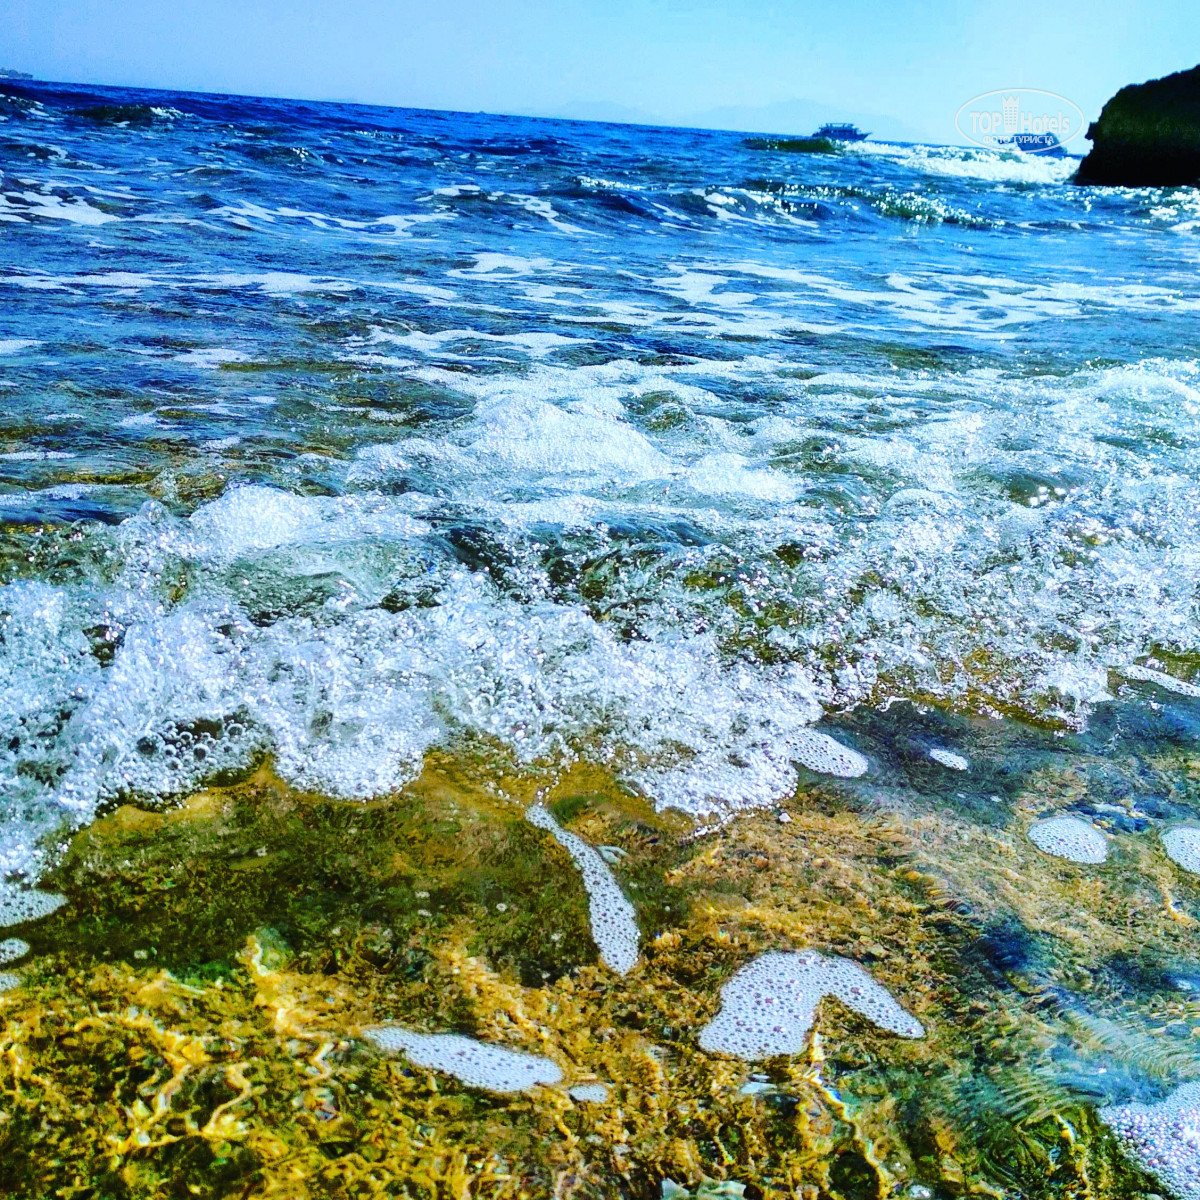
[603, 110]
[8, 73]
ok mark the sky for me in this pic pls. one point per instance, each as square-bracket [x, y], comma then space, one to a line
[745, 64]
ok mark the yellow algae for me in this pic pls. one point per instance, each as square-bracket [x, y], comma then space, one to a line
[228, 1061]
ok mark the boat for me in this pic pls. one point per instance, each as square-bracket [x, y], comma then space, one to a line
[841, 133]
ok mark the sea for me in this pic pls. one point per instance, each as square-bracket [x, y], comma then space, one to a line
[336, 436]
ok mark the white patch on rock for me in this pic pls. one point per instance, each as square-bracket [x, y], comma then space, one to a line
[614, 920]
[1182, 845]
[12, 948]
[589, 1093]
[1163, 1138]
[18, 904]
[477, 1064]
[1070, 838]
[948, 758]
[768, 1007]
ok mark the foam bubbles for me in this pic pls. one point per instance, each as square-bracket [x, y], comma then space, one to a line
[1070, 838]
[477, 1064]
[955, 762]
[13, 948]
[1182, 845]
[1167, 682]
[1163, 1138]
[613, 918]
[768, 1007]
[18, 905]
[517, 435]
[821, 753]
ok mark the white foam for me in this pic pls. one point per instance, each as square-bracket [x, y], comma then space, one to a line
[18, 904]
[349, 699]
[732, 475]
[477, 1064]
[821, 753]
[1163, 1139]
[1168, 682]
[211, 358]
[613, 919]
[12, 948]
[55, 208]
[16, 345]
[968, 162]
[532, 436]
[252, 517]
[1182, 845]
[1070, 838]
[955, 762]
[768, 1007]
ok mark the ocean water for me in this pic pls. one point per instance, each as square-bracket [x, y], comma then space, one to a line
[341, 432]
[334, 435]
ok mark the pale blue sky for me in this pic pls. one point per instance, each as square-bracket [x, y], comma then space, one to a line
[677, 60]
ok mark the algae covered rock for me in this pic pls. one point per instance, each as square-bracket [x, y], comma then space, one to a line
[1148, 135]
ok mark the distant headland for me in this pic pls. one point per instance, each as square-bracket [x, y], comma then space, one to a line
[1148, 135]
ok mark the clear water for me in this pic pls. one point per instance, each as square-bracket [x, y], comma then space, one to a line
[336, 433]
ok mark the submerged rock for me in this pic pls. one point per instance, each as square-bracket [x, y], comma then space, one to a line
[1163, 1138]
[477, 1064]
[768, 1007]
[1148, 135]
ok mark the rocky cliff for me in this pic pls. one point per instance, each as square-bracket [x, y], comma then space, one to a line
[1148, 135]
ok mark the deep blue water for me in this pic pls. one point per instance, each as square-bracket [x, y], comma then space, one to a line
[338, 432]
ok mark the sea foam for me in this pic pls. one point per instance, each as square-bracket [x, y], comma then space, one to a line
[613, 919]
[768, 1007]
[477, 1064]
[1163, 1139]
[1070, 838]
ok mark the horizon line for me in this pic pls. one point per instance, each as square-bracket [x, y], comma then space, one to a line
[28, 79]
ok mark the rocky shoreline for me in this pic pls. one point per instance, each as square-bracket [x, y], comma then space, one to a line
[1148, 135]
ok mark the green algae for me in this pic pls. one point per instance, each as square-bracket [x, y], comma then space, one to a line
[188, 1024]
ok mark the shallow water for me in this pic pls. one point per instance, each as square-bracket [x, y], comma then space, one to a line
[339, 441]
